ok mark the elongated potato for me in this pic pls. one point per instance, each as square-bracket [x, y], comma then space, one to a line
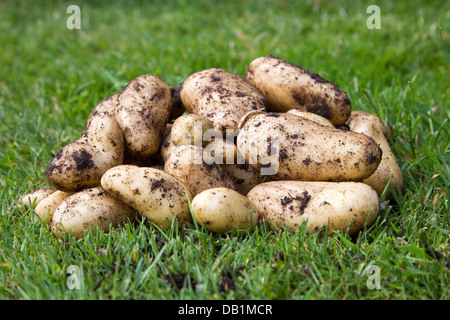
[46, 208]
[312, 116]
[142, 112]
[91, 207]
[196, 169]
[221, 96]
[287, 86]
[223, 209]
[336, 205]
[388, 170]
[32, 199]
[288, 147]
[80, 164]
[155, 194]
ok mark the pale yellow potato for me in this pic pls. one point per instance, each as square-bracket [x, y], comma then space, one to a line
[155, 194]
[287, 86]
[388, 170]
[288, 147]
[32, 199]
[222, 209]
[46, 208]
[190, 128]
[347, 206]
[142, 112]
[221, 96]
[312, 116]
[196, 169]
[80, 164]
[92, 207]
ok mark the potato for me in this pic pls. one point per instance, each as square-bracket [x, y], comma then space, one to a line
[142, 112]
[244, 176]
[32, 199]
[287, 147]
[80, 164]
[336, 205]
[155, 194]
[46, 208]
[358, 115]
[388, 170]
[196, 169]
[177, 105]
[223, 209]
[312, 116]
[190, 128]
[90, 207]
[287, 86]
[221, 96]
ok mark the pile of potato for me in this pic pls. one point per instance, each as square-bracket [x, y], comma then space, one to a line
[281, 145]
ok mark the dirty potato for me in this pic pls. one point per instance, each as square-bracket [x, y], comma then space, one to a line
[80, 164]
[221, 96]
[288, 147]
[244, 176]
[142, 112]
[155, 194]
[92, 207]
[223, 209]
[287, 86]
[347, 206]
[196, 169]
[178, 108]
[388, 171]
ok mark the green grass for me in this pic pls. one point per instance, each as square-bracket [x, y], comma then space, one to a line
[52, 77]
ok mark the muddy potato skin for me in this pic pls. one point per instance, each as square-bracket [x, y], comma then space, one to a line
[32, 199]
[336, 205]
[287, 86]
[222, 209]
[178, 108]
[312, 116]
[155, 194]
[244, 176]
[80, 164]
[196, 169]
[306, 150]
[46, 208]
[221, 96]
[90, 207]
[388, 169]
[142, 112]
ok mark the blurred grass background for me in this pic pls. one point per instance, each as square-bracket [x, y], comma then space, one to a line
[51, 78]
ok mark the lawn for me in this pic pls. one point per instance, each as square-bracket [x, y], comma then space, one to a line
[51, 77]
